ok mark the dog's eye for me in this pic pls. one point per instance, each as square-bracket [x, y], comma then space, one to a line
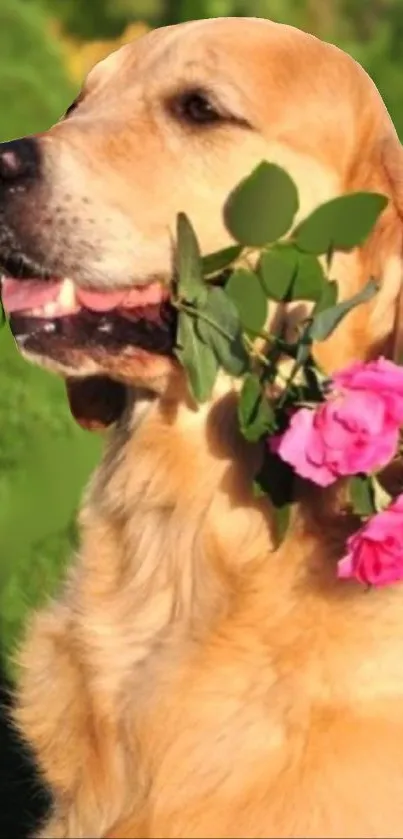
[195, 108]
[73, 107]
[70, 109]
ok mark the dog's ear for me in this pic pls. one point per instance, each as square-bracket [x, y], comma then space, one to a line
[396, 353]
[377, 328]
[393, 164]
[386, 251]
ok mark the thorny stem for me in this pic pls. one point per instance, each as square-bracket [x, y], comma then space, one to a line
[262, 358]
[267, 336]
[295, 368]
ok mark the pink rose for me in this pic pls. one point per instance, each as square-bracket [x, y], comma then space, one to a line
[353, 432]
[375, 552]
[382, 377]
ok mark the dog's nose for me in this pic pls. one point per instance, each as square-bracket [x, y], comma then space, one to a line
[19, 161]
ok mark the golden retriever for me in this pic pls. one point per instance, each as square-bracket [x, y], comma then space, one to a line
[190, 681]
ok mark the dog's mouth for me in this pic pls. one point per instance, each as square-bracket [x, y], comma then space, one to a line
[53, 311]
[93, 336]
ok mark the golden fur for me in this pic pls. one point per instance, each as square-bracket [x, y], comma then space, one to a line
[190, 681]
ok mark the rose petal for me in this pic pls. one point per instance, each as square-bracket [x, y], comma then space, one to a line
[295, 443]
[345, 567]
[382, 377]
[375, 552]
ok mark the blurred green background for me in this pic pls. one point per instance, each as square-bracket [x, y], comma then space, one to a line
[46, 48]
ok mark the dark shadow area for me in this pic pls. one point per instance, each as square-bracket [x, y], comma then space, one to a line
[23, 799]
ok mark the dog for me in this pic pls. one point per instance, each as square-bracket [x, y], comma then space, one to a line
[191, 680]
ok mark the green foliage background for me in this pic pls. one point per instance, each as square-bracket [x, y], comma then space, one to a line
[38, 494]
[44, 457]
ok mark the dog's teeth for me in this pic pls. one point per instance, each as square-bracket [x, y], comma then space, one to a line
[49, 327]
[49, 309]
[105, 327]
[67, 295]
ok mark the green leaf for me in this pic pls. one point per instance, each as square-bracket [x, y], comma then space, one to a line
[249, 399]
[277, 269]
[262, 207]
[191, 286]
[367, 495]
[197, 358]
[222, 317]
[288, 274]
[310, 279]
[340, 224]
[381, 497]
[255, 414]
[328, 297]
[282, 517]
[304, 350]
[276, 479]
[216, 262]
[361, 495]
[326, 321]
[245, 290]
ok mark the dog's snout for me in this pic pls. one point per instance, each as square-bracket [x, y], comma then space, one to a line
[20, 161]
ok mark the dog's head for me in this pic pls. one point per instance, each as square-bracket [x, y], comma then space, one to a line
[172, 123]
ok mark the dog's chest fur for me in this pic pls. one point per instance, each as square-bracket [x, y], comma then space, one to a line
[193, 683]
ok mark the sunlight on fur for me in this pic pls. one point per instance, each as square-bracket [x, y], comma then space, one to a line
[190, 681]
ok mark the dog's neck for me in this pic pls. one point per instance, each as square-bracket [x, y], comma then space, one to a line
[173, 499]
[176, 550]
[169, 526]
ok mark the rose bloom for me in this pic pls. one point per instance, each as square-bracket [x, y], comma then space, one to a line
[355, 431]
[349, 434]
[375, 551]
[382, 377]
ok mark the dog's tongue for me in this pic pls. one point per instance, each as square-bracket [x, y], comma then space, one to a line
[100, 301]
[22, 295]
[18, 295]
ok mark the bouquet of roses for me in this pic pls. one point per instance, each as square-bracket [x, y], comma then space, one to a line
[311, 426]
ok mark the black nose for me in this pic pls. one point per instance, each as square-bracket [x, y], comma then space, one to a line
[19, 161]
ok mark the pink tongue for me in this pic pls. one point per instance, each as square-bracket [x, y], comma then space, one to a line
[98, 301]
[18, 295]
